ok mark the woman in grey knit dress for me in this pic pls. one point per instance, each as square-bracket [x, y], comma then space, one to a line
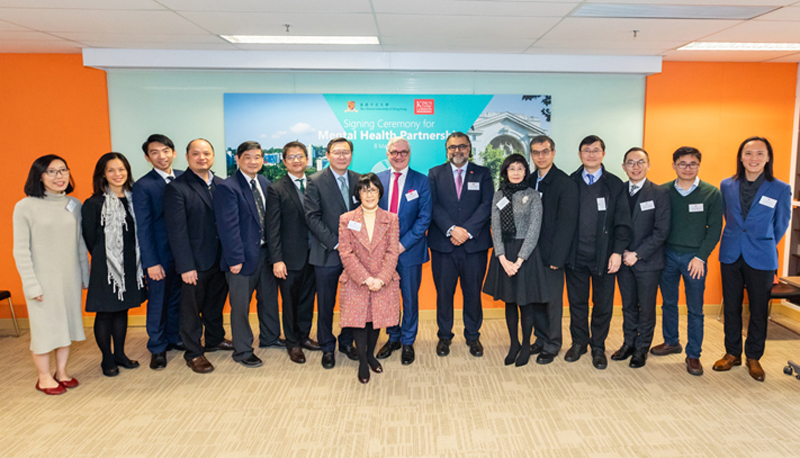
[515, 273]
[52, 263]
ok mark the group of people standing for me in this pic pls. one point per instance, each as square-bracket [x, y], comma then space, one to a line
[186, 241]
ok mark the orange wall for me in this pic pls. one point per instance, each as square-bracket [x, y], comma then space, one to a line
[713, 107]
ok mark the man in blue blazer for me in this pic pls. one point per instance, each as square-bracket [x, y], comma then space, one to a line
[192, 233]
[163, 282]
[407, 195]
[240, 208]
[460, 238]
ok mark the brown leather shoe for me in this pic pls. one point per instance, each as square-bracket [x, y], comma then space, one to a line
[727, 362]
[666, 349]
[296, 355]
[310, 345]
[200, 365]
[754, 367]
[693, 366]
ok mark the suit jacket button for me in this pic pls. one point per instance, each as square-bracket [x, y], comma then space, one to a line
[744, 230]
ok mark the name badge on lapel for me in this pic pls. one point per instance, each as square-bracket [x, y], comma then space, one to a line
[649, 205]
[501, 204]
[354, 226]
[71, 206]
[411, 195]
[601, 204]
[473, 186]
[695, 208]
[768, 201]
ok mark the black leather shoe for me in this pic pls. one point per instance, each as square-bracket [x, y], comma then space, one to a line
[251, 361]
[387, 349]
[545, 358]
[407, 357]
[179, 346]
[296, 355]
[328, 360]
[127, 363]
[475, 348]
[225, 345]
[158, 361]
[280, 343]
[639, 359]
[599, 360]
[349, 351]
[574, 353]
[111, 372]
[624, 352]
[536, 348]
[310, 345]
[443, 347]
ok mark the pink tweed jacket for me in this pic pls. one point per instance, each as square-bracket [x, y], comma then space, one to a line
[363, 259]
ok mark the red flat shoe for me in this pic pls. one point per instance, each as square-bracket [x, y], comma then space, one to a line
[71, 383]
[52, 391]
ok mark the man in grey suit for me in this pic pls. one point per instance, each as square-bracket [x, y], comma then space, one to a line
[330, 193]
[643, 260]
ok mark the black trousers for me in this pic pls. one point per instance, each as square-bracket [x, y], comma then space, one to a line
[639, 291]
[549, 337]
[447, 269]
[327, 279]
[297, 294]
[602, 288]
[201, 306]
[736, 278]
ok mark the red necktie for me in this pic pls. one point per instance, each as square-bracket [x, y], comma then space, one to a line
[458, 183]
[395, 193]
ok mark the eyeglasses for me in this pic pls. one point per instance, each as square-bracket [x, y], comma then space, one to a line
[403, 153]
[368, 191]
[688, 166]
[295, 157]
[54, 173]
[591, 151]
[639, 163]
[341, 153]
[454, 148]
[543, 152]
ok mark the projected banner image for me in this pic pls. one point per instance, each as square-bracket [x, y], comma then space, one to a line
[497, 125]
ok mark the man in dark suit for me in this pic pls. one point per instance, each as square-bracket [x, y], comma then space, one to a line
[330, 193]
[163, 282]
[460, 238]
[643, 260]
[192, 232]
[407, 195]
[603, 233]
[288, 237]
[559, 220]
[240, 209]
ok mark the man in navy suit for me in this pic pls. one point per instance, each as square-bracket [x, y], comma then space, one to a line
[163, 282]
[409, 197]
[460, 238]
[192, 232]
[240, 208]
[330, 193]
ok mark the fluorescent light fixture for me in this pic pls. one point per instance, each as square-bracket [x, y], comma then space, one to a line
[614, 10]
[715, 46]
[299, 40]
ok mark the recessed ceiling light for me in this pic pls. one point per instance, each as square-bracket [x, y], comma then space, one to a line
[712, 46]
[300, 40]
[613, 10]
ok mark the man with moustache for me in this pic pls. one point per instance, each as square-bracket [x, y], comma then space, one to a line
[559, 220]
[192, 232]
[407, 195]
[289, 245]
[603, 233]
[330, 193]
[240, 208]
[643, 260]
[460, 238]
[163, 282]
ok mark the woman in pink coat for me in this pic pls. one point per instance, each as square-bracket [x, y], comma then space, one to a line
[369, 290]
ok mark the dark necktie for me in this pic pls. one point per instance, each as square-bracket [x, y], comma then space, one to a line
[302, 187]
[634, 188]
[259, 203]
[169, 179]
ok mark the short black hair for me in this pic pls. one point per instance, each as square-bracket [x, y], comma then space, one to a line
[741, 173]
[364, 181]
[157, 138]
[294, 144]
[542, 139]
[459, 135]
[515, 158]
[687, 151]
[247, 146]
[338, 140]
[592, 139]
[189, 145]
[99, 181]
[34, 186]
[635, 148]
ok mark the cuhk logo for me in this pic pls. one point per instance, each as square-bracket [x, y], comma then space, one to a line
[423, 106]
[351, 107]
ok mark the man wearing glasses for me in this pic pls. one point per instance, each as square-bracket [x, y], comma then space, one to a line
[643, 260]
[604, 232]
[695, 228]
[460, 238]
[330, 193]
[407, 195]
[559, 220]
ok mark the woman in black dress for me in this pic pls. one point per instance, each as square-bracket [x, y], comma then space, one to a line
[516, 274]
[116, 281]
